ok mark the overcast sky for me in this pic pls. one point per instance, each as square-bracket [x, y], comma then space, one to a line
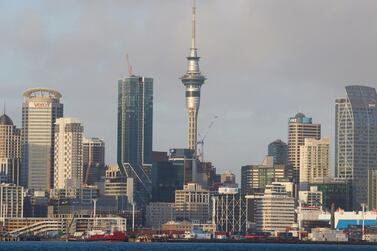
[265, 61]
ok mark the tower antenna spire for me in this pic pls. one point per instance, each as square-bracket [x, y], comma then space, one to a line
[130, 69]
[5, 107]
[193, 36]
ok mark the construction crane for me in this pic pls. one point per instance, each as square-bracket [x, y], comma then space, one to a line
[130, 69]
[202, 138]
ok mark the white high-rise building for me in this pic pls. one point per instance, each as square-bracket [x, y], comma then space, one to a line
[40, 109]
[68, 160]
[314, 161]
[275, 210]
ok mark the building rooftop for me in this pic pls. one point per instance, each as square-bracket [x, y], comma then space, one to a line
[5, 120]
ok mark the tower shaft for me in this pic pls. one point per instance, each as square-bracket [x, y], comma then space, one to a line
[193, 80]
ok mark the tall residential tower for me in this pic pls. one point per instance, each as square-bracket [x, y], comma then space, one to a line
[193, 80]
[135, 131]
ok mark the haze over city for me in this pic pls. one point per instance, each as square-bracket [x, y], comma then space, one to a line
[264, 60]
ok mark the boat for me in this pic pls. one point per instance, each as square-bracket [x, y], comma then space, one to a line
[102, 236]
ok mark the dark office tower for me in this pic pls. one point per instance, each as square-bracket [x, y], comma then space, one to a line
[40, 110]
[279, 152]
[135, 127]
[10, 151]
[93, 159]
[356, 139]
[186, 159]
[193, 80]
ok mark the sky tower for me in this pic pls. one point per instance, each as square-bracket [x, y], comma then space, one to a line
[193, 80]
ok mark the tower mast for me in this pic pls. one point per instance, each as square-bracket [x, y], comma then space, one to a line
[193, 80]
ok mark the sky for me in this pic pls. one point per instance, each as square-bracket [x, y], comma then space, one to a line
[265, 60]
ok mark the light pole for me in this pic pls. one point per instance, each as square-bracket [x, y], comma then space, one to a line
[362, 216]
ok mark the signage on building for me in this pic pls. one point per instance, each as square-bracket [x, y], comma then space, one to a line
[39, 105]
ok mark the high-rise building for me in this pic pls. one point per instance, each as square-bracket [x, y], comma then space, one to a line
[167, 179]
[11, 201]
[356, 138]
[40, 109]
[314, 161]
[275, 210]
[337, 191]
[68, 155]
[10, 151]
[193, 80]
[135, 128]
[185, 158]
[300, 127]
[279, 151]
[255, 178]
[93, 159]
[192, 203]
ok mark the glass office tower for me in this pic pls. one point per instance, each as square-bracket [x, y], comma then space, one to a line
[356, 138]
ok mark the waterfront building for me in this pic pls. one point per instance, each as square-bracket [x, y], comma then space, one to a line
[229, 210]
[135, 133]
[192, 203]
[279, 151]
[11, 201]
[356, 138]
[158, 213]
[299, 128]
[68, 154]
[254, 178]
[193, 80]
[10, 151]
[334, 190]
[40, 109]
[314, 161]
[275, 210]
[93, 160]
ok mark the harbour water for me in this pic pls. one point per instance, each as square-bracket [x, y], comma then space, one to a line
[96, 246]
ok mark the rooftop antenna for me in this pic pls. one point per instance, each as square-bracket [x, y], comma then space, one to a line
[4, 107]
[193, 25]
[130, 69]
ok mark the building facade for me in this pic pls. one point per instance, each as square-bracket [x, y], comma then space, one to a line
[275, 211]
[356, 138]
[159, 213]
[314, 161]
[255, 178]
[192, 203]
[93, 160]
[299, 128]
[68, 157]
[135, 133]
[40, 109]
[10, 151]
[11, 201]
[372, 188]
[279, 151]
